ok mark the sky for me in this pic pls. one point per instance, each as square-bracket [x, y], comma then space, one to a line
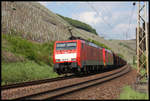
[112, 20]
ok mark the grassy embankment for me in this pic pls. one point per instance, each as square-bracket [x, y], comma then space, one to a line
[23, 60]
[128, 92]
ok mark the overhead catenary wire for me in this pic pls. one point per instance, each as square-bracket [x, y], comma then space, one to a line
[130, 17]
[130, 20]
[76, 15]
[99, 14]
[104, 20]
[71, 27]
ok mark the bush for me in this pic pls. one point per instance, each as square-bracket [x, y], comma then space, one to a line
[129, 93]
[25, 71]
[38, 60]
[32, 51]
[120, 55]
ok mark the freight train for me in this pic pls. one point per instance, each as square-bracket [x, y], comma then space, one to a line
[81, 56]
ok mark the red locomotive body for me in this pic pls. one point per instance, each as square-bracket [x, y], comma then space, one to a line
[75, 56]
[66, 56]
[80, 56]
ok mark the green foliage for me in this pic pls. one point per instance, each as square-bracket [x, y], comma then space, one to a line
[129, 93]
[38, 56]
[25, 71]
[32, 51]
[79, 24]
[13, 32]
[120, 55]
[142, 70]
[99, 44]
[143, 59]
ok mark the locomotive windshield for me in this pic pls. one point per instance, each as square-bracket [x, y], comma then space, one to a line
[66, 46]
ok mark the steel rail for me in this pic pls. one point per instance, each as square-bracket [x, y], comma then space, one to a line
[54, 93]
[35, 82]
[91, 85]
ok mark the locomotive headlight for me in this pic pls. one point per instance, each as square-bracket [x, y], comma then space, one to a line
[57, 60]
[73, 59]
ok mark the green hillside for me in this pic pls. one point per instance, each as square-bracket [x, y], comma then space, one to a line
[25, 60]
[79, 24]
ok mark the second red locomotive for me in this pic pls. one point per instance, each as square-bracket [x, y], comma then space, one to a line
[74, 56]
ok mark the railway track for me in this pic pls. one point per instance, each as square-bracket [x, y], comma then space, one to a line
[56, 92]
[36, 82]
[76, 87]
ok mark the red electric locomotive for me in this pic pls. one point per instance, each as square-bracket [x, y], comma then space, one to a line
[75, 56]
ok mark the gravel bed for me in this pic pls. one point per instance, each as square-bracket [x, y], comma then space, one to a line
[24, 91]
[108, 90]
